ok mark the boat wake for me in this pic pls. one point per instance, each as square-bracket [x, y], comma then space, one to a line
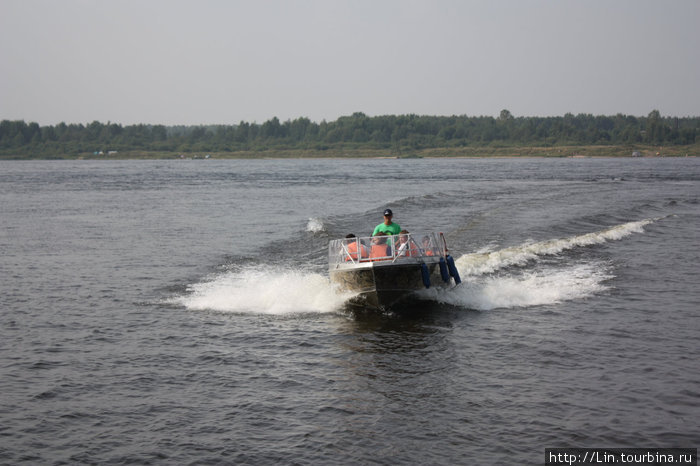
[532, 288]
[513, 277]
[488, 285]
[488, 262]
[264, 290]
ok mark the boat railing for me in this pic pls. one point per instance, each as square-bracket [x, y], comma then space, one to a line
[394, 248]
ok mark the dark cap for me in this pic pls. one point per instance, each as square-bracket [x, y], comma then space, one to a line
[388, 212]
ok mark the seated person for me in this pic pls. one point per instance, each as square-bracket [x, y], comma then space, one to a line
[427, 248]
[352, 245]
[406, 246]
[380, 250]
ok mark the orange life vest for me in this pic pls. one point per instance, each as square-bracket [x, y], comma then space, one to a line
[352, 250]
[380, 252]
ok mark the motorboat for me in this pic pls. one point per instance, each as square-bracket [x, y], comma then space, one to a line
[385, 272]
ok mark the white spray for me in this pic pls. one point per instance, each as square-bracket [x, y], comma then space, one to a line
[264, 290]
[487, 262]
[274, 290]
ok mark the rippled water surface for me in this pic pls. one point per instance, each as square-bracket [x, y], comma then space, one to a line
[179, 312]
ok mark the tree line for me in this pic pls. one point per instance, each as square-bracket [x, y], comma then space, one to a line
[395, 133]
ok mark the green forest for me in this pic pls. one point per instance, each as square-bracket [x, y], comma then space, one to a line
[395, 134]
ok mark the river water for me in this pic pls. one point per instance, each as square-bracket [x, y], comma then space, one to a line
[179, 312]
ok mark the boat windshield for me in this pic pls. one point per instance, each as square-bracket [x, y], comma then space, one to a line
[402, 247]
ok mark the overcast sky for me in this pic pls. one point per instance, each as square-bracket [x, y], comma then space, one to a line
[223, 61]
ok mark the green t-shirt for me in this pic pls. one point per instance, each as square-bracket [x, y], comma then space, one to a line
[391, 229]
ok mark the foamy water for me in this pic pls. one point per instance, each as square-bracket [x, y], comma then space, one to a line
[289, 292]
[487, 262]
[266, 289]
[315, 225]
[536, 288]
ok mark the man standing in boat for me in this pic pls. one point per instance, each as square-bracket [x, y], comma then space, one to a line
[388, 227]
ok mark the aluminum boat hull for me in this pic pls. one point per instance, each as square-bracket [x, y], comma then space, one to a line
[385, 286]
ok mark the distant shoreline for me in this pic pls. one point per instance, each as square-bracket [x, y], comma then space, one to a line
[640, 151]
